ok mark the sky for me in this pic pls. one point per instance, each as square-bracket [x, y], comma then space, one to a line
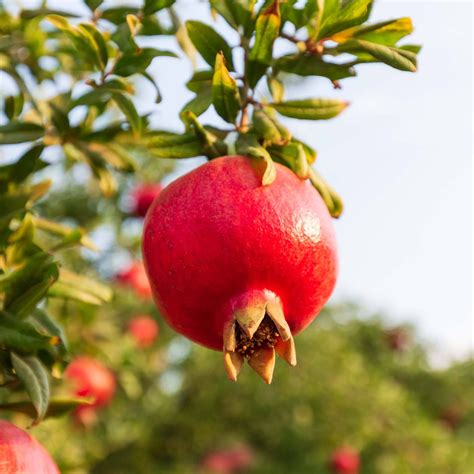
[400, 156]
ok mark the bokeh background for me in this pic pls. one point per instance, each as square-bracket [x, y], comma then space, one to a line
[385, 370]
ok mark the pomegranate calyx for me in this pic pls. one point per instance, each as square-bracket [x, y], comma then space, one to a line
[255, 332]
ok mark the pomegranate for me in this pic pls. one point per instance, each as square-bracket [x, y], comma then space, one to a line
[345, 461]
[20, 453]
[91, 379]
[135, 277]
[144, 330]
[228, 461]
[142, 197]
[238, 266]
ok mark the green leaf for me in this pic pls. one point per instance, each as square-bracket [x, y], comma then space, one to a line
[225, 93]
[104, 92]
[21, 335]
[330, 197]
[266, 126]
[200, 79]
[398, 58]
[173, 145]
[343, 16]
[61, 230]
[386, 32]
[100, 42]
[118, 15]
[45, 324]
[152, 6]
[28, 163]
[128, 109]
[211, 145]
[93, 4]
[209, 43]
[35, 379]
[79, 288]
[294, 156]
[33, 14]
[310, 65]
[20, 132]
[26, 286]
[81, 38]
[237, 13]
[14, 106]
[266, 32]
[56, 407]
[138, 62]
[310, 109]
[276, 88]
[248, 145]
[200, 103]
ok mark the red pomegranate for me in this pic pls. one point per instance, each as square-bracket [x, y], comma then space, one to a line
[144, 330]
[91, 379]
[142, 197]
[345, 461]
[228, 461]
[239, 266]
[135, 277]
[20, 453]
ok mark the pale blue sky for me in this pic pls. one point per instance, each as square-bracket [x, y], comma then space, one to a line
[401, 157]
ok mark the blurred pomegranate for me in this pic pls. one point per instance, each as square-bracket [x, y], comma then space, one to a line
[398, 339]
[20, 453]
[136, 278]
[144, 330]
[345, 461]
[142, 197]
[93, 380]
[228, 461]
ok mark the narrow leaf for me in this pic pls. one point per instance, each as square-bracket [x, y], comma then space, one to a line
[310, 109]
[266, 32]
[209, 43]
[35, 379]
[20, 132]
[225, 93]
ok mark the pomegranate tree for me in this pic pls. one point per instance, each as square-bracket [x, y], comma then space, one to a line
[20, 453]
[238, 266]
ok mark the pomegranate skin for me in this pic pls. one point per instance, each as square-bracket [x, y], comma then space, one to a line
[216, 236]
[91, 379]
[20, 453]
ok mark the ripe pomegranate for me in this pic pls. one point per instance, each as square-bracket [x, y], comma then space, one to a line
[20, 453]
[228, 461]
[239, 266]
[91, 379]
[144, 330]
[135, 277]
[142, 197]
[345, 461]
